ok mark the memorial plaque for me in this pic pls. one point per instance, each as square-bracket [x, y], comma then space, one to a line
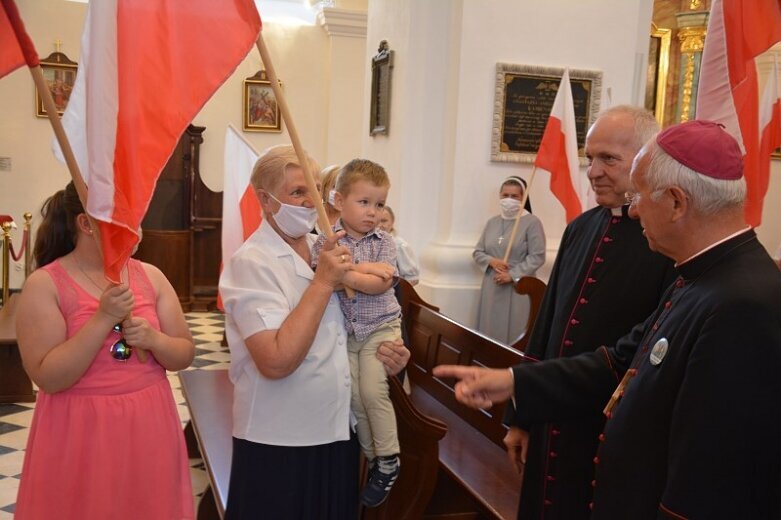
[379, 114]
[524, 98]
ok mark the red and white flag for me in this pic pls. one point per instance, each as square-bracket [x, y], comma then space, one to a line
[16, 48]
[241, 214]
[146, 69]
[240, 207]
[728, 92]
[769, 134]
[558, 151]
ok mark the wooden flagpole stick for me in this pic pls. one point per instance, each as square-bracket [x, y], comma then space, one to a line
[322, 217]
[518, 217]
[70, 160]
[33, 63]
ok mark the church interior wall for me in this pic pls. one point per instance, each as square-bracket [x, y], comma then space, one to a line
[438, 149]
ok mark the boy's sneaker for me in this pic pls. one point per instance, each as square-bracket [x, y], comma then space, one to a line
[382, 475]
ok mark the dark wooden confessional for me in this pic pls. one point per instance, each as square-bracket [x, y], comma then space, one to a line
[183, 227]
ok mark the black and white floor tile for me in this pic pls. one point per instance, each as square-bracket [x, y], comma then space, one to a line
[207, 329]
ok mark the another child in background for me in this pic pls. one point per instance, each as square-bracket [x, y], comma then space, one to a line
[327, 193]
[371, 317]
[406, 261]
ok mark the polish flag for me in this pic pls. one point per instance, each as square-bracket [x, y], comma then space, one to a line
[16, 48]
[240, 206]
[558, 151]
[728, 92]
[146, 69]
[770, 138]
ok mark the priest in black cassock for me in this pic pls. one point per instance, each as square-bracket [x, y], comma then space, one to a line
[694, 420]
[605, 280]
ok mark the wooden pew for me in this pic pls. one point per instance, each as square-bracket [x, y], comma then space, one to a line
[534, 288]
[15, 384]
[476, 479]
[209, 395]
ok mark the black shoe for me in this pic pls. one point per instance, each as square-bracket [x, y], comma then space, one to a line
[382, 475]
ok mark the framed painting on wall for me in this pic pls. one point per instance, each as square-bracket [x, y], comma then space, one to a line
[60, 75]
[261, 111]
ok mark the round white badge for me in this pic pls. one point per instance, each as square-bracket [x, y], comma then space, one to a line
[659, 351]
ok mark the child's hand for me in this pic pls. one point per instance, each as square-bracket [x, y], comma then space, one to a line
[116, 302]
[381, 269]
[139, 333]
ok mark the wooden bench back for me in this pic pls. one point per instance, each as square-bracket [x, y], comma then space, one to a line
[434, 340]
[534, 288]
[209, 395]
[419, 437]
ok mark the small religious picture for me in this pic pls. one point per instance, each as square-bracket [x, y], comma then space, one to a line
[60, 75]
[261, 111]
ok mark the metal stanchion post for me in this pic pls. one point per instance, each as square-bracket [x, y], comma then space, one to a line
[6, 260]
[28, 239]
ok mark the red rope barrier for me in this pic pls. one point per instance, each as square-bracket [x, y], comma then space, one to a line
[25, 240]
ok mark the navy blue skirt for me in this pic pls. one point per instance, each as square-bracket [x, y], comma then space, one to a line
[286, 482]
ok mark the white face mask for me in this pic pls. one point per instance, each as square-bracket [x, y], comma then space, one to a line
[294, 221]
[332, 198]
[509, 207]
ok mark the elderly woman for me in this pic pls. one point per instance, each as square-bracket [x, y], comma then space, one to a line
[293, 454]
[503, 313]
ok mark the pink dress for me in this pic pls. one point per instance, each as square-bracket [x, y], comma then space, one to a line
[111, 446]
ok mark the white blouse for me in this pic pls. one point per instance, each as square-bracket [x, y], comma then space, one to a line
[261, 284]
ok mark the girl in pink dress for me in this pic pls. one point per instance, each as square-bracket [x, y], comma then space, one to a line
[105, 440]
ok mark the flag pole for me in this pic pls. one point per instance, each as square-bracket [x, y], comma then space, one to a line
[33, 63]
[70, 161]
[322, 217]
[519, 215]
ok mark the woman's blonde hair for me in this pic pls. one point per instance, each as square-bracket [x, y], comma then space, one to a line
[270, 167]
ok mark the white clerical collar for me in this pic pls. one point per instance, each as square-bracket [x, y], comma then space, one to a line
[616, 212]
[733, 235]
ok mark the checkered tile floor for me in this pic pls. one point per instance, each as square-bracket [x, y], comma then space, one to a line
[15, 419]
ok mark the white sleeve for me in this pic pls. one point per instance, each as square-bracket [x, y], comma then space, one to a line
[406, 261]
[252, 296]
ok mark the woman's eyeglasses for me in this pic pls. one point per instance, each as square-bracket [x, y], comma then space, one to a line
[120, 350]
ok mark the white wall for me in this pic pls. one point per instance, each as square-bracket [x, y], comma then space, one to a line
[24, 137]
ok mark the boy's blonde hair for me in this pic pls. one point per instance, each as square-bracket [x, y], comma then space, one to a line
[361, 170]
[270, 167]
